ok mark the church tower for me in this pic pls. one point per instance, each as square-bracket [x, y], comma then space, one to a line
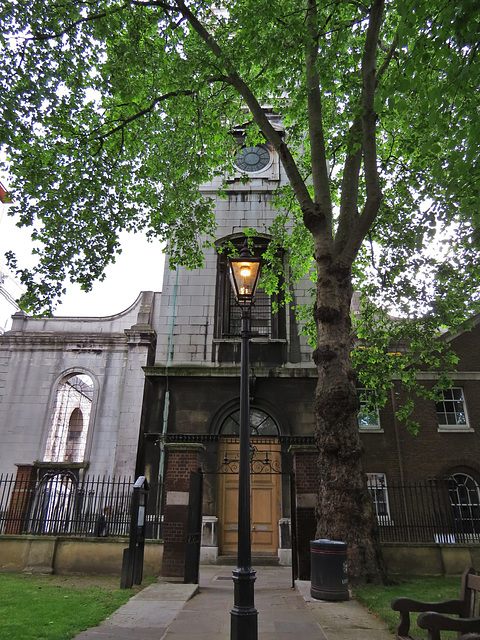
[193, 387]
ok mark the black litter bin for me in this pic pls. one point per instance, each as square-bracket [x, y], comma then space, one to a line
[329, 577]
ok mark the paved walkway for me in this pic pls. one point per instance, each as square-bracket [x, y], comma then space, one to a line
[168, 611]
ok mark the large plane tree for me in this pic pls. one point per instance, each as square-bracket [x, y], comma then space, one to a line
[114, 111]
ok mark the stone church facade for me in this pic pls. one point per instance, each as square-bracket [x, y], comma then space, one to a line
[71, 390]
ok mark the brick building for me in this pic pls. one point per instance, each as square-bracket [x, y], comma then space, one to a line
[447, 440]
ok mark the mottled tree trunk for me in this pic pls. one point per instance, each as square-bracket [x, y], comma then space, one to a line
[344, 509]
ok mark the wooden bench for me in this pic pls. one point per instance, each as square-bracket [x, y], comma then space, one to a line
[435, 616]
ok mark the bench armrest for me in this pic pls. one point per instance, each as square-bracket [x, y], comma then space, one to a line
[406, 605]
[436, 622]
[447, 606]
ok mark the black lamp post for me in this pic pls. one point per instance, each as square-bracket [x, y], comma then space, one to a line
[244, 274]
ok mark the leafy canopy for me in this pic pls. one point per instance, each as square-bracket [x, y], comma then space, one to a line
[114, 111]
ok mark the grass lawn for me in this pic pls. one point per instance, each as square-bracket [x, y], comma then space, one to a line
[377, 599]
[56, 607]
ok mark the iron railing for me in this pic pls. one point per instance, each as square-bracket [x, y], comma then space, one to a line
[436, 510]
[60, 504]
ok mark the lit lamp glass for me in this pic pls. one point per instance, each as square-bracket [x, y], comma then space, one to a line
[244, 274]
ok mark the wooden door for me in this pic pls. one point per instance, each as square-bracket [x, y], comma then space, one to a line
[265, 499]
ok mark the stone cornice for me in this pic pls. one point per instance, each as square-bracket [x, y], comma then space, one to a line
[184, 446]
[69, 341]
[306, 447]
[305, 442]
[454, 375]
[141, 335]
[69, 466]
[190, 371]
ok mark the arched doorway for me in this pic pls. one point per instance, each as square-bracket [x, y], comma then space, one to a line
[265, 483]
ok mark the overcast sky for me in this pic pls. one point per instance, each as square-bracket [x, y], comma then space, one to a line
[138, 268]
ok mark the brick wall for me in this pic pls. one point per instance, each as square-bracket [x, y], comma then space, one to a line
[21, 499]
[181, 460]
[406, 457]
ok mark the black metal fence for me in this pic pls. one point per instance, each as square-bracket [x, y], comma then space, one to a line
[62, 504]
[441, 510]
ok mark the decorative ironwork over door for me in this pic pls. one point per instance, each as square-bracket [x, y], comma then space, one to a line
[265, 494]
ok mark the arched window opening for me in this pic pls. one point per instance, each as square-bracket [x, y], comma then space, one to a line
[464, 493]
[261, 424]
[67, 438]
[74, 438]
[268, 312]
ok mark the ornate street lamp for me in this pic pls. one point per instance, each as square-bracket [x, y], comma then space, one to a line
[244, 274]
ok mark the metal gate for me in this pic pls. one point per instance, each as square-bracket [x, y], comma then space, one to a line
[261, 462]
[194, 528]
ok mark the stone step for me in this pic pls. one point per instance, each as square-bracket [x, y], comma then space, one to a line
[258, 559]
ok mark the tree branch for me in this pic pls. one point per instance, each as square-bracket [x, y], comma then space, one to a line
[90, 18]
[369, 75]
[166, 96]
[42, 37]
[143, 112]
[258, 115]
[350, 185]
[369, 121]
[321, 186]
[388, 57]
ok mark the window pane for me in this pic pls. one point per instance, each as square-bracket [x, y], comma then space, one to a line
[464, 494]
[261, 424]
[368, 417]
[261, 315]
[451, 409]
[377, 487]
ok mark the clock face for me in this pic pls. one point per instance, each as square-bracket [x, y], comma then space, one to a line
[252, 158]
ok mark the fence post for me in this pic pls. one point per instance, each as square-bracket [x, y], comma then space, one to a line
[132, 565]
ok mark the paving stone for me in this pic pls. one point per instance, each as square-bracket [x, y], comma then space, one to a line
[167, 611]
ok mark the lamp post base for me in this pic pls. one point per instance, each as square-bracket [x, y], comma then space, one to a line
[243, 616]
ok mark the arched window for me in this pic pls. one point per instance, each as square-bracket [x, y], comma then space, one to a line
[267, 314]
[464, 493]
[261, 424]
[74, 437]
[67, 438]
